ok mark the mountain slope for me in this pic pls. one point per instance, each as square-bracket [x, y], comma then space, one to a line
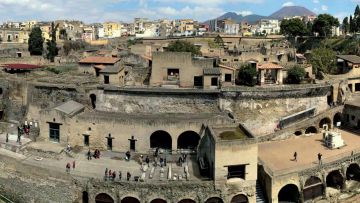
[290, 11]
[238, 18]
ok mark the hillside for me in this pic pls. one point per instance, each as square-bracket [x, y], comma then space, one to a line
[289, 11]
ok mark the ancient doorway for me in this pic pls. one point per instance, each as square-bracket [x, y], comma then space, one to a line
[239, 199]
[289, 193]
[313, 188]
[324, 121]
[337, 119]
[353, 172]
[214, 200]
[103, 198]
[311, 129]
[161, 139]
[85, 197]
[54, 132]
[93, 100]
[130, 200]
[109, 142]
[335, 180]
[132, 143]
[158, 201]
[187, 201]
[188, 140]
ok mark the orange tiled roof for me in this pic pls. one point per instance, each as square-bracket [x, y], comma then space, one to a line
[99, 60]
[270, 66]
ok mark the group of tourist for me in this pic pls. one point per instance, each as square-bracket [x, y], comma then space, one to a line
[111, 175]
[68, 166]
[319, 157]
[160, 160]
[182, 159]
[96, 154]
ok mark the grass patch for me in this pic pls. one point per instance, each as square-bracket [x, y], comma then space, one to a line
[237, 134]
[61, 69]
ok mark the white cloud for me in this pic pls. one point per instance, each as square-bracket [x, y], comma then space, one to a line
[341, 15]
[316, 1]
[210, 2]
[244, 13]
[324, 8]
[289, 3]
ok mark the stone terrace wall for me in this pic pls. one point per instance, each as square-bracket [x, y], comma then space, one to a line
[156, 102]
[260, 109]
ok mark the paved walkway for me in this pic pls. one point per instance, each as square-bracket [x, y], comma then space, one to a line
[95, 168]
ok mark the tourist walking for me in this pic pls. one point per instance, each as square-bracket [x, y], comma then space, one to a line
[295, 156]
[141, 159]
[161, 162]
[68, 167]
[319, 158]
[106, 173]
[89, 155]
[113, 175]
[127, 156]
[147, 160]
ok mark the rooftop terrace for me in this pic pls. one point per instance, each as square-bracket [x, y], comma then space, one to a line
[278, 155]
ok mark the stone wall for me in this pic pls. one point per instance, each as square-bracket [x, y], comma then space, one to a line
[156, 103]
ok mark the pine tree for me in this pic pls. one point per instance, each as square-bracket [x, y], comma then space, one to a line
[36, 42]
[51, 44]
[352, 25]
[346, 25]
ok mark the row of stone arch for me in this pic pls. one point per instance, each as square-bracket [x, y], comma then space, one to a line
[313, 129]
[105, 198]
[186, 140]
[315, 188]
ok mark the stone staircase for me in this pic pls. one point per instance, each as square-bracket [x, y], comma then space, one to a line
[260, 198]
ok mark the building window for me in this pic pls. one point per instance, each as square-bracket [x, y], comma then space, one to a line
[347, 118]
[86, 140]
[214, 81]
[227, 77]
[236, 171]
[54, 132]
[353, 118]
[236, 60]
[106, 79]
[266, 59]
[224, 60]
[172, 74]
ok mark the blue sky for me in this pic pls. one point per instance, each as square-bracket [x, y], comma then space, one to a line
[126, 10]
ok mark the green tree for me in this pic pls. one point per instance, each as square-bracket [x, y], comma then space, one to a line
[184, 46]
[36, 42]
[247, 75]
[346, 25]
[324, 23]
[323, 59]
[52, 48]
[352, 24]
[309, 26]
[296, 74]
[219, 41]
[293, 27]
